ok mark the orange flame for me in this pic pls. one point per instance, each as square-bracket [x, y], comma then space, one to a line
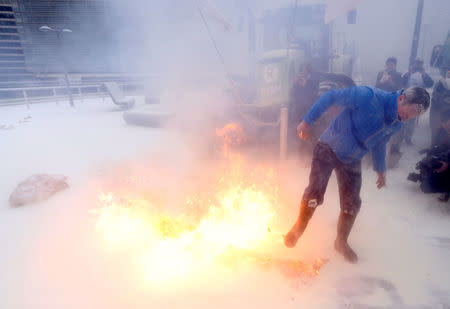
[232, 135]
[236, 220]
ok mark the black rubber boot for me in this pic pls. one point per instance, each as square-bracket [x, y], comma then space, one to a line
[306, 212]
[344, 227]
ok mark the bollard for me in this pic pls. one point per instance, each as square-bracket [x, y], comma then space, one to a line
[283, 132]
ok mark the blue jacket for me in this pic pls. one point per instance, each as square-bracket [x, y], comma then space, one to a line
[367, 122]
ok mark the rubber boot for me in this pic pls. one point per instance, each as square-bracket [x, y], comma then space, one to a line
[306, 212]
[344, 227]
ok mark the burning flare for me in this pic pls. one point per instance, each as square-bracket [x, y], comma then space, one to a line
[232, 135]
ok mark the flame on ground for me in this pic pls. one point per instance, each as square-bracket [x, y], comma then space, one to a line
[240, 219]
[232, 221]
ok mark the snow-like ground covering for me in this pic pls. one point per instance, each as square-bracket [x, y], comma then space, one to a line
[50, 255]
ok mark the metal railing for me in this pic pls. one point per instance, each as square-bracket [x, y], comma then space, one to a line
[30, 95]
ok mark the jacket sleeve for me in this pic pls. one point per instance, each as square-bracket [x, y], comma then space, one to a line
[427, 80]
[343, 97]
[379, 156]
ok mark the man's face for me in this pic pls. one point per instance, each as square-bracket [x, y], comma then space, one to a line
[391, 66]
[408, 111]
[417, 66]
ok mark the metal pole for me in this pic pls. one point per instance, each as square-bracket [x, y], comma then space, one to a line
[251, 45]
[283, 132]
[415, 41]
[66, 77]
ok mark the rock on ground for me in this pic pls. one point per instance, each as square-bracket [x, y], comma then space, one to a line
[37, 188]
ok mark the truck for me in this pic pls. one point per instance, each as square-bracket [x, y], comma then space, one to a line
[282, 40]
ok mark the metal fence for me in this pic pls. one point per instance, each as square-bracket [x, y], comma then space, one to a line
[39, 94]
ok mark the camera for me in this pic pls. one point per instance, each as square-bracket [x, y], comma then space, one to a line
[427, 165]
[415, 177]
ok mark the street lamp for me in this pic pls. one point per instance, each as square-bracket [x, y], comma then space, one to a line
[48, 28]
[58, 32]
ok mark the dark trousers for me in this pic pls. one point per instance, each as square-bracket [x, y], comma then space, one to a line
[348, 177]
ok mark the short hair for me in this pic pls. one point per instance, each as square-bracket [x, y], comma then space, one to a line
[391, 59]
[417, 95]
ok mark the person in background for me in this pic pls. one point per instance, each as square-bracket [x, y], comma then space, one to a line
[434, 171]
[415, 77]
[440, 102]
[302, 96]
[442, 138]
[389, 80]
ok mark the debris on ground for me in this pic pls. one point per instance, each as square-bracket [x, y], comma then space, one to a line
[37, 188]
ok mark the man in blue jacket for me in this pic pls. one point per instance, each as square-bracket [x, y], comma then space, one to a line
[369, 118]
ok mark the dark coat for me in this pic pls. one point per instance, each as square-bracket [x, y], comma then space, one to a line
[440, 102]
[392, 84]
[427, 80]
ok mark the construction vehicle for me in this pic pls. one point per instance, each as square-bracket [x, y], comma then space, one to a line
[292, 37]
[279, 41]
[287, 37]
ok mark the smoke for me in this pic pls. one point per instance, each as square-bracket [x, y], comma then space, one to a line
[53, 256]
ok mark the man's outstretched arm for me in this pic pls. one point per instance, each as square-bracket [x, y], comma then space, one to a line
[379, 162]
[343, 97]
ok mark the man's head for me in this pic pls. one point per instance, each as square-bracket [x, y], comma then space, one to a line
[413, 102]
[417, 65]
[391, 64]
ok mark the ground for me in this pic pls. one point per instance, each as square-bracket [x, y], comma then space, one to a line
[52, 256]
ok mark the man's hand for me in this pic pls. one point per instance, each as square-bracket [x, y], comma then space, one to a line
[443, 167]
[381, 181]
[387, 78]
[303, 130]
